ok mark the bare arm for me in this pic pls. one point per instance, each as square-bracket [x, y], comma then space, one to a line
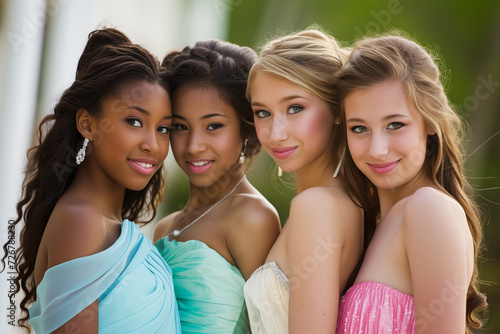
[87, 321]
[315, 244]
[439, 249]
[252, 236]
[74, 232]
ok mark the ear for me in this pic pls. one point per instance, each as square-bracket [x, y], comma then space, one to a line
[84, 123]
[337, 120]
[430, 130]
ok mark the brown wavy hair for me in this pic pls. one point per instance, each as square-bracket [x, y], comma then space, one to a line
[377, 59]
[109, 58]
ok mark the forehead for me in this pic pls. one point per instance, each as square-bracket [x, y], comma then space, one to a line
[379, 100]
[148, 96]
[264, 80]
[197, 101]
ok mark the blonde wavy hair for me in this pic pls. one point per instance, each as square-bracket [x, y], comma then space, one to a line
[311, 60]
[377, 59]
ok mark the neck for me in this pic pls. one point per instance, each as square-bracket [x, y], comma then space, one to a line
[316, 174]
[106, 196]
[389, 197]
[204, 196]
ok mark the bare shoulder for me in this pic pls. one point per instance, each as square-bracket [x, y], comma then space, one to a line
[252, 228]
[430, 208]
[255, 213]
[163, 226]
[315, 205]
[436, 219]
[75, 229]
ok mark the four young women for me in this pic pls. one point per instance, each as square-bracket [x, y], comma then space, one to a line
[368, 134]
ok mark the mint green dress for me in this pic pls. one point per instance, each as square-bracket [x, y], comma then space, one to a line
[130, 279]
[209, 290]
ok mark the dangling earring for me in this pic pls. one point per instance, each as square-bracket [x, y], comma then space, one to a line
[80, 156]
[242, 154]
[280, 171]
[340, 163]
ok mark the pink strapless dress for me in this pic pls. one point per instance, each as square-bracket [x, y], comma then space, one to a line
[370, 307]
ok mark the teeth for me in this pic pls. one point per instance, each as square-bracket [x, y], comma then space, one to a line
[200, 163]
[145, 165]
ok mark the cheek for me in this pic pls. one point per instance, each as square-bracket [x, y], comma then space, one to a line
[228, 145]
[165, 145]
[263, 131]
[413, 146]
[178, 144]
[357, 147]
[314, 126]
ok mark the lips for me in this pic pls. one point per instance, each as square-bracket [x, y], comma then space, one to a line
[143, 166]
[283, 152]
[199, 166]
[383, 168]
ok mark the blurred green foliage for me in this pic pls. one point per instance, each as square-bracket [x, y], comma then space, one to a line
[465, 34]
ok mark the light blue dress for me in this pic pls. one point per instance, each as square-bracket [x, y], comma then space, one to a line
[131, 280]
[208, 288]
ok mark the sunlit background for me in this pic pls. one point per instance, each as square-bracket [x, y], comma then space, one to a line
[41, 41]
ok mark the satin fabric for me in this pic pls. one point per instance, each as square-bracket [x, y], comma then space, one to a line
[267, 299]
[208, 288]
[131, 280]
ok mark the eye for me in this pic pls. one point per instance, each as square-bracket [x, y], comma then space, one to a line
[164, 130]
[179, 127]
[262, 113]
[359, 129]
[295, 109]
[395, 126]
[214, 126]
[134, 122]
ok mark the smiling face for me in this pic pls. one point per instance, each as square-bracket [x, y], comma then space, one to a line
[130, 134]
[294, 126]
[206, 139]
[386, 135]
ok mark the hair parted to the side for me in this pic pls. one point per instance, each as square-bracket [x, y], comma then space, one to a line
[309, 59]
[109, 59]
[220, 65]
[377, 59]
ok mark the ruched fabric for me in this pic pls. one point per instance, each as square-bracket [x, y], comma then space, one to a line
[370, 307]
[267, 295]
[130, 279]
[208, 288]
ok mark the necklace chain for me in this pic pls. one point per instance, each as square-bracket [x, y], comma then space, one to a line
[175, 233]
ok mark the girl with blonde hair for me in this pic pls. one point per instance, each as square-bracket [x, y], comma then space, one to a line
[294, 96]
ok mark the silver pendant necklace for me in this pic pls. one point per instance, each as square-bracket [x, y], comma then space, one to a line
[175, 233]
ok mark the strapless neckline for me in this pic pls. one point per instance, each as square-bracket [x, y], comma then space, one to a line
[280, 275]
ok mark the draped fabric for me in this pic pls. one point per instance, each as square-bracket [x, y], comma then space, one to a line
[266, 295]
[130, 279]
[208, 288]
[370, 307]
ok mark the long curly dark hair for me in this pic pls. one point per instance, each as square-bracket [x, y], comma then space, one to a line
[109, 58]
[223, 66]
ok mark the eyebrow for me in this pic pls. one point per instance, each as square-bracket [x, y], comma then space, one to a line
[144, 111]
[386, 118]
[284, 99]
[202, 117]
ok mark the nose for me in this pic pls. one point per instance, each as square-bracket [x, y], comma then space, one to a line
[150, 142]
[379, 145]
[196, 143]
[279, 129]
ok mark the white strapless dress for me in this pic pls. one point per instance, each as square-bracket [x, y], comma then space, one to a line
[266, 296]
